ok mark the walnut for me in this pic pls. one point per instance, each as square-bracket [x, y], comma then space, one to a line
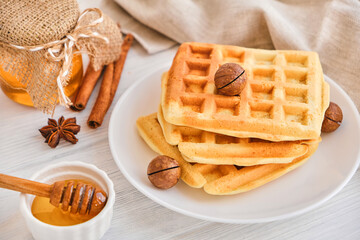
[163, 172]
[332, 119]
[230, 79]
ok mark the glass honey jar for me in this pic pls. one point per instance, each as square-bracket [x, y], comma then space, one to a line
[39, 65]
[40, 60]
[12, 87]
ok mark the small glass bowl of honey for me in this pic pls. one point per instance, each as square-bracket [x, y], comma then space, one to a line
[45, 220]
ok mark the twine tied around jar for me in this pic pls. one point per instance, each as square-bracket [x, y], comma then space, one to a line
[94, 34]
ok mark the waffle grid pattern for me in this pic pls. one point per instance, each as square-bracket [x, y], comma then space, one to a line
[282, 86]
[177, 134]
[273, 77]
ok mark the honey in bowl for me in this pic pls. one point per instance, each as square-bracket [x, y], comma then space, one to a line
[44, 211]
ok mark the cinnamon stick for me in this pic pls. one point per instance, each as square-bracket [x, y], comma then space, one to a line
[102, 102]
[119, 64]
[108, 88]
[90, 79]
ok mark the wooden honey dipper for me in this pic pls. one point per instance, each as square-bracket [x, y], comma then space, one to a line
[82, 198]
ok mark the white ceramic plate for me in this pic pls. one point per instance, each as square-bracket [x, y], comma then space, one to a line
[299, 191]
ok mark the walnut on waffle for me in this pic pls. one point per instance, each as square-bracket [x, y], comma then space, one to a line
[285, 96]
[216, 179]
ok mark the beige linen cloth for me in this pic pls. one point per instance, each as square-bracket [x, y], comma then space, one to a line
[331, 28]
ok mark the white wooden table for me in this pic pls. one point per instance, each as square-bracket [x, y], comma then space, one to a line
[22, 152]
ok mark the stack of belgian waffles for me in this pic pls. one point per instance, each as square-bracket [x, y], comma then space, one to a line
[232, 144]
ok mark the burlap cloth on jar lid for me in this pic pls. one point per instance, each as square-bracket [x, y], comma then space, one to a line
[38, 39]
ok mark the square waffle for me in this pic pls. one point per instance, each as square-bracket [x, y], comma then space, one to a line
[216, 179]
[285, 96]
[201, 146]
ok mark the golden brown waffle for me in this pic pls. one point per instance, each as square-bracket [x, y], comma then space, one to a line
[284, 99]
[212, 148]
[216, 179]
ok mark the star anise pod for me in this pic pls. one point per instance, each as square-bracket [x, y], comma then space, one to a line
[66, 129]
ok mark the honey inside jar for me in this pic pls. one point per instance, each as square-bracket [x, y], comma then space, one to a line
[16, 91]
[48, 213]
